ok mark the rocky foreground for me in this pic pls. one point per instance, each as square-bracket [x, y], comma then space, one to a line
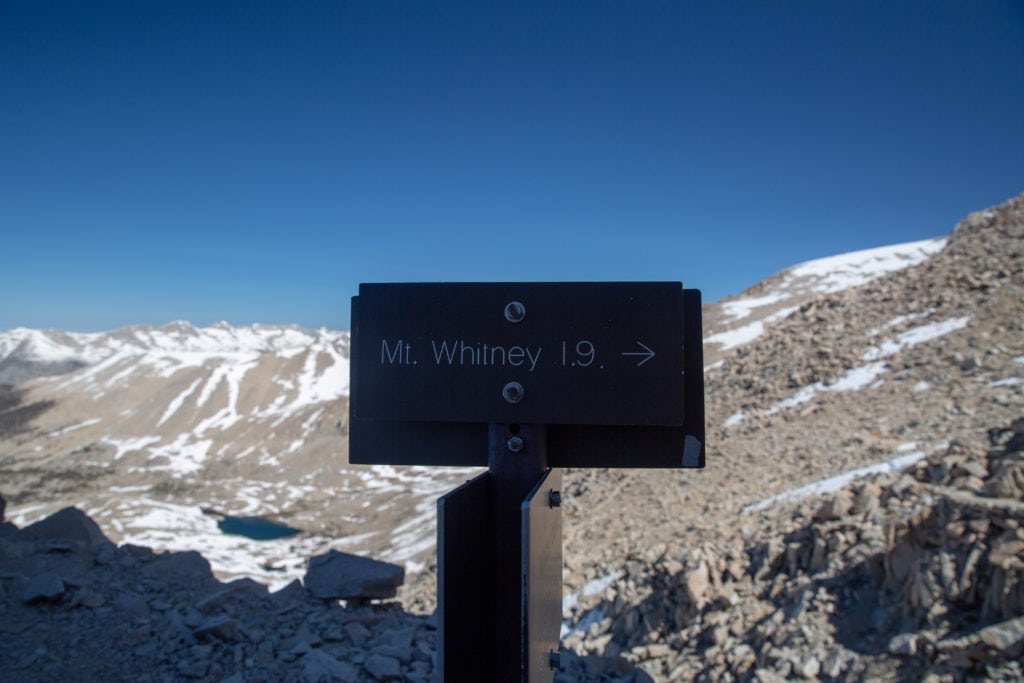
[914, 575]
[76, 607]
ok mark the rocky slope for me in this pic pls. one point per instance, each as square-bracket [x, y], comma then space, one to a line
[901, 367]
[734, 572]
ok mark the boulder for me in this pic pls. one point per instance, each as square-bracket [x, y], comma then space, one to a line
[1006, 638]
[70, 525]
[220, 628]
[318, 665]
[230, 593]
[383, 668]
[44, 588]
[341, 576]
[182, 566]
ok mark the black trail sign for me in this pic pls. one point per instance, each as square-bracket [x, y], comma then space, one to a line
[590, 353]
[523, 378]
[614, 369]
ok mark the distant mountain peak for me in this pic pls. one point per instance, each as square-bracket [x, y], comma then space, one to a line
[27, 353]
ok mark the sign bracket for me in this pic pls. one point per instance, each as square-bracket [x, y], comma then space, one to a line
[490, 577]
[548, 375]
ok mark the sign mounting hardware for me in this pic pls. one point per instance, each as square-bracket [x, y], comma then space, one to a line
[460, 374]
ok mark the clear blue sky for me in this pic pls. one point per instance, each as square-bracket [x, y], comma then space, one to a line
[255, 161]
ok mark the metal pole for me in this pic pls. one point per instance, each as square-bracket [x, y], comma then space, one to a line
[517, 459]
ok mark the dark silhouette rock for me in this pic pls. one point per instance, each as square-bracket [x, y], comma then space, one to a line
[44, 588]
[341, 576]
[70, 525]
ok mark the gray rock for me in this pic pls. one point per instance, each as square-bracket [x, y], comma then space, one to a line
[1006, 638]
[228, 594]
[835, 507]
[356, 631]
[318, 665]
[107, 555]
[44, 588]
[904, 645]
[336, 575]
[808, 668]
[292, 592]
[181, 566]
[192, 617]
[768, 676]
[194, 669]
[221, 628]
[834, 665]
[402, 654]
[131, 605]
[383, 668]
[70, 525]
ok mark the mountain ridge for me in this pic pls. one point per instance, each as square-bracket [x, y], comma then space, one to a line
[678, 572]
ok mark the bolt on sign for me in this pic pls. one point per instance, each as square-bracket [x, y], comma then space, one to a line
[524, 379]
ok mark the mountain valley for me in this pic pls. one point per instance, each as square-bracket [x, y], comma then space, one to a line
[859, 515]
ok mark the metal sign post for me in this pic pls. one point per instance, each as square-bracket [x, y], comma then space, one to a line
[545, 376]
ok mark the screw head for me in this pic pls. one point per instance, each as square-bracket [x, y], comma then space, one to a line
[513, 392]
[555, 498]
[515, 311]
[515, 444]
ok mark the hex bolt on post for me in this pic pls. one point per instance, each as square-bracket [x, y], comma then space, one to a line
[515, 444]
[515, 311]
[555, 498]
[513, 392]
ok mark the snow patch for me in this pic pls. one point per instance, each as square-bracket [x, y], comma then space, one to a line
[853, 380]
[181, 456]
[915, 336]
[178, 400]
[569, 602]
[747, 333]
[736, 418]
[72, 428]
[837, 483]
[836, 273]
[231, 374]
[125, 446]
[741, 308]
[899, 320]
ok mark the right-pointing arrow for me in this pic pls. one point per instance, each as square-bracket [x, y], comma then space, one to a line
[647, 353]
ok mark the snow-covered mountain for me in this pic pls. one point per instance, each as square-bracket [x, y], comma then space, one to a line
[804, 549]
[145, 427]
